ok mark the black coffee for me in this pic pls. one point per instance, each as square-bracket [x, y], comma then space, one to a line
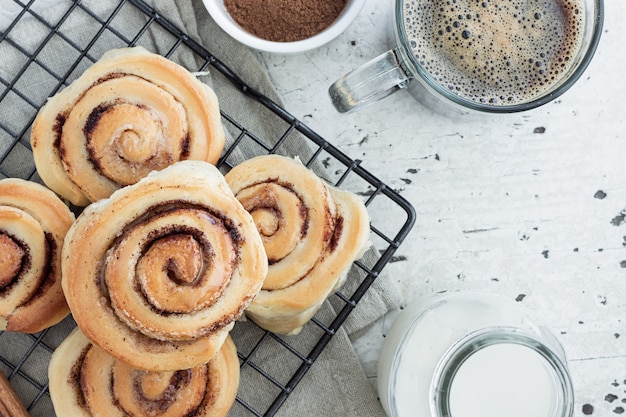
[500, 52]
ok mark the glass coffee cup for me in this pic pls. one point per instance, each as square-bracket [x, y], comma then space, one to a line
[479, 55]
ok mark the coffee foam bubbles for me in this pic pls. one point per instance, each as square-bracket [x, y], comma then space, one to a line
[500, 52]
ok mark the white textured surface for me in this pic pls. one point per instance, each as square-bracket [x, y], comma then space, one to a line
[530, 205]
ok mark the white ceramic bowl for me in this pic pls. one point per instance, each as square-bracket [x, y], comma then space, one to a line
[218, 12]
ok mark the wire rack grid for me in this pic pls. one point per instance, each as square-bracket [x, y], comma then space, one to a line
[277, 377]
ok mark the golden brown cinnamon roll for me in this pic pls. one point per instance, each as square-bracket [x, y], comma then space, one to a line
[311, 232]
[130, 113]
[157, 274]
[85, 381]
[33, 224]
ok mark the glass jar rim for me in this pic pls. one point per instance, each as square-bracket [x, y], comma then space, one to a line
[454, 358]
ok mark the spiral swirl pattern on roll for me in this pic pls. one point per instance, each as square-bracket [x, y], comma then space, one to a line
[33, 225]
[85, 381]
[311, 232]
[157, 274]
[128, 114]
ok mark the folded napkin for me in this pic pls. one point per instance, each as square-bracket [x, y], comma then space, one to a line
[9, 10]
[336, 383]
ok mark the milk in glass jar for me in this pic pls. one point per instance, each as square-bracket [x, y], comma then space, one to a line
[472, 355]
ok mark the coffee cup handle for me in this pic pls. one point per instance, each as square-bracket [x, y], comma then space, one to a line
[369, 83]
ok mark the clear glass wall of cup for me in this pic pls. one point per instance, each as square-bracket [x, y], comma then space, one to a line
[472, 354]
[403, 66]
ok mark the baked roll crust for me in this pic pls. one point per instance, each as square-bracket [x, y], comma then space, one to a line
[85, 381]
[312, 233]
[157, 274]
[128, 114]
[33, 225]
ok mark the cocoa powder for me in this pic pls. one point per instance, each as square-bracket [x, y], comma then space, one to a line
[284, 20]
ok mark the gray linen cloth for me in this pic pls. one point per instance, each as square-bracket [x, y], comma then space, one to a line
[336, 383]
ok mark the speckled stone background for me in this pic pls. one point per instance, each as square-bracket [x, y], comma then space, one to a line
[531, 206]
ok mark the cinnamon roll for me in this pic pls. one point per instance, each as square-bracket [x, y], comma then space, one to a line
[33, 225]
[157, 274]
[85, 381]
[312, 232]
[130, 113]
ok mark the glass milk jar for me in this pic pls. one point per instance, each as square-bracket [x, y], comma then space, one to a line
[472, 355]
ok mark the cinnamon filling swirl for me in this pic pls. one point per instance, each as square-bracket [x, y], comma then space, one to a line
[14, 260]
[33, 224]
[170, 265]
[130, 113]
[174, 260]
[86, 381]
[293, 213]
[311, 232]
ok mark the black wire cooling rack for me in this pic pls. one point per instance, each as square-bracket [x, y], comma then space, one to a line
[19, 351]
